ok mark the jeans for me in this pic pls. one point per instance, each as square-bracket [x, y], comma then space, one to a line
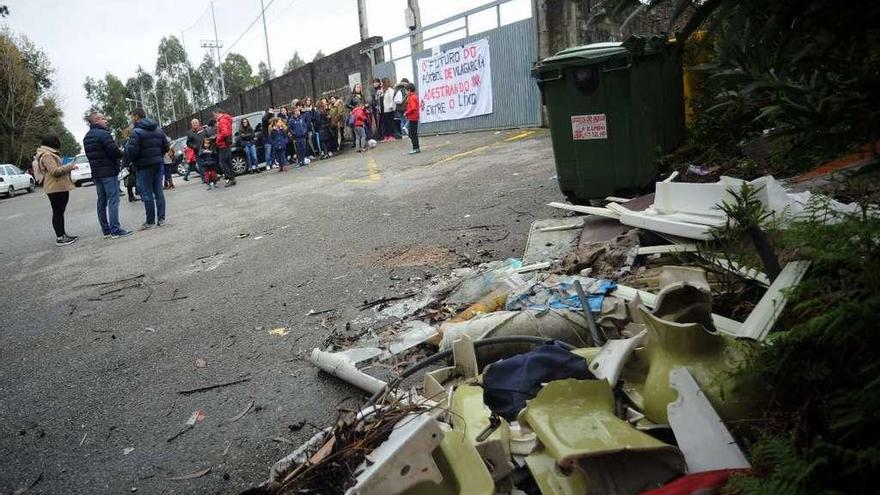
[108, 204]
[225, 156]
[414, 133]
[279, 156]
[267, 154]
[149, 181]
[360, 136]
[404, 124]
[59, 204]
[302, 149]
[250, 154]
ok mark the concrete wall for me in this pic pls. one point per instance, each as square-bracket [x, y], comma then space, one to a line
[323, 77]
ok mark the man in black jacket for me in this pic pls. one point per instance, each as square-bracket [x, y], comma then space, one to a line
[103, 158]
[146, 149]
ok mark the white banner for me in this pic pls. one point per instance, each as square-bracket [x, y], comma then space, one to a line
[455, 84]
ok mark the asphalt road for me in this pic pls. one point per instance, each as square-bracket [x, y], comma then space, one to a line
[90, 368]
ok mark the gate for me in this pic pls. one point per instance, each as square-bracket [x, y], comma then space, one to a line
[513, 50]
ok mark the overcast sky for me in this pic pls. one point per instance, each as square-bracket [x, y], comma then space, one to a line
[91, 37]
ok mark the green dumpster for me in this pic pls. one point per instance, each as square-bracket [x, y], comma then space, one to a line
[614, 109]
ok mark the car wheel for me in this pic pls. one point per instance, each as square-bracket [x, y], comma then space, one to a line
[239, 164]
[181, 169]
[77, 183]
[32, 187]
[10, 192]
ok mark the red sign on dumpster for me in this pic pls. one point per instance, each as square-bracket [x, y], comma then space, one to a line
[589, 127]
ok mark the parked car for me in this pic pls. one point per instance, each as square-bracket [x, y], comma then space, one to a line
[239, 162]
[179, 144]
[83, 173]
[13, 179]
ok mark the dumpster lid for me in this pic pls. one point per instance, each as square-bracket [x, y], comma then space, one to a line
[586, 54]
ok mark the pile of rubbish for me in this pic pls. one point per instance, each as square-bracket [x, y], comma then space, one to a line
[595, 364]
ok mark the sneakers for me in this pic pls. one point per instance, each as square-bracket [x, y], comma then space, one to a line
[146, 226]
[107, 235]
[65, 240]
[413, 152]
[160, 223]
[121, 233]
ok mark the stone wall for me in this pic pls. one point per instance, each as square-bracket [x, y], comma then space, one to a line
[322, 77]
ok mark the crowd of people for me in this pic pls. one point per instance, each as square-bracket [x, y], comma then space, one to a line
[297, 133]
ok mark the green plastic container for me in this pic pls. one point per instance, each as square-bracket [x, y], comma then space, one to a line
[614, 109]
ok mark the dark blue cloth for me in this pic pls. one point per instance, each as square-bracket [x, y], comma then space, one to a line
[509, 383]
[279, 139]
[150, 186]
[147, 145]
[298, 127]
[102, 152]
[208, 159]
[108, 204]
[308, 116]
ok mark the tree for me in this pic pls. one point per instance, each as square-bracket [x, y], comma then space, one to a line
[141, 88]
[26, 112]
[263, 72]
[206, 84]
[295, 62]
[172, 67]
[238, 74]
[108, 96]
[318, 55]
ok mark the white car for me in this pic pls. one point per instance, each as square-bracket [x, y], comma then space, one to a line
[83, 173]
[13, 179]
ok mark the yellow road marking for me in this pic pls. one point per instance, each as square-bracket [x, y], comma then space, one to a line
[373, 174]
[463, 154]
[520, 136]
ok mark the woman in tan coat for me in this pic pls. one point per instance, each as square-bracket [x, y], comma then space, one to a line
[56, 184]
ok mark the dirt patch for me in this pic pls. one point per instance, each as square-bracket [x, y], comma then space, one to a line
[414, 255]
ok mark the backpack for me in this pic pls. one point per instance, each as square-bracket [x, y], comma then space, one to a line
[37, 170]
[398, 97]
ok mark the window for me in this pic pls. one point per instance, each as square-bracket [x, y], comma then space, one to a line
[14, 170]
[81, 159]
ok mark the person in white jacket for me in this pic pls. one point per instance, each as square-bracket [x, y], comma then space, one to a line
[388, 108]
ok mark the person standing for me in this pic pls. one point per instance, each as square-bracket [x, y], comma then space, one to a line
[336, 116]
[248, 136]
[300, 133]
[375, 109]
[168, 165]
[103, 158]
[56, 184]
[388, 108]
[400, 107]
[266, 129]
[412, 117]
[360, 117]
[146, 148]
[224, 145]
[208, 163]
[279, 139]
[194, 139]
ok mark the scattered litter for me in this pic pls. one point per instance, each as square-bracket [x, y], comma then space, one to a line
[242, 236]
[281, 331]
[212, 387]
[127, 450]
[196, 417]
[557, 292]
[702, 170]
[81, 442]
[191, 476]
[257, 238]
[765, 314]
[226, 450]
[200, 363]
[337, 365]
[240, 415]
[313, 312]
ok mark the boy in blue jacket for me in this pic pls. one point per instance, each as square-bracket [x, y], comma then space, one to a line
[300, 132]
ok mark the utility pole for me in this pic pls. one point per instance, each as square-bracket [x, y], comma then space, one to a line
[210, 44]
[219, 61]
[414, 22]
[192, 96]
[266, 37]
[362, 19]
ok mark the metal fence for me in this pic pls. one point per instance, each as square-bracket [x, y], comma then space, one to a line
[516, 100]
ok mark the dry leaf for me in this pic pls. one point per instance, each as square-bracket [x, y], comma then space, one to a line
[191, 476]
[201, 363]
[281, 331]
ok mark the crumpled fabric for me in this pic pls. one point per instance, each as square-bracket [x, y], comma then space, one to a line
[557, 292]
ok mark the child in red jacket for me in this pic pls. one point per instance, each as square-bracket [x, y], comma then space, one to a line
[412, 115]
[359, 114]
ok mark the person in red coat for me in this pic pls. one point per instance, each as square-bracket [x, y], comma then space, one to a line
[412, 115]
[224, 143]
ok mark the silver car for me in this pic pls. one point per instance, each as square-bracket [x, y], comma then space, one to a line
[83, 173]
[12, 179]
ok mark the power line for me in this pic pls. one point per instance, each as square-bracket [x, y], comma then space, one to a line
[259, 16]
